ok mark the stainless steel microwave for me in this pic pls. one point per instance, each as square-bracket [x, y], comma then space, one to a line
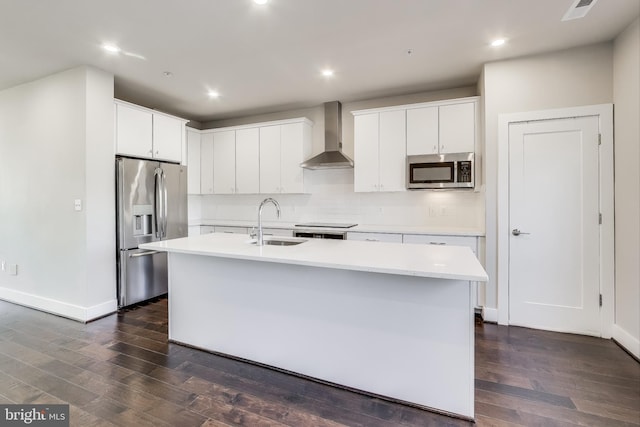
[440, 171]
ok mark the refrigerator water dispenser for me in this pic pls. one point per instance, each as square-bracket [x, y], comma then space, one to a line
[142, 219]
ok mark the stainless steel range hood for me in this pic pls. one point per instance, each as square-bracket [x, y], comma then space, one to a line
[332, 156]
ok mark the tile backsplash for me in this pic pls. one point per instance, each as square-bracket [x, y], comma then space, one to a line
[331, 199]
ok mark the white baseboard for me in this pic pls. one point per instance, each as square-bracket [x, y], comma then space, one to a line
[490, 314]
[60, 308]
[626, 340]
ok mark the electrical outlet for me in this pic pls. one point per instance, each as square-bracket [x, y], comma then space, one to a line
[13, 269]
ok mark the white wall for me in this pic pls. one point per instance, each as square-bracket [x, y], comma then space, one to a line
[626, 95]
[331, 195]
[574, 77]
[54, 133]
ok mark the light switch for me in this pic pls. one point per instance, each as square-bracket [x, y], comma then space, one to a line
[78, 205]
[13, 269]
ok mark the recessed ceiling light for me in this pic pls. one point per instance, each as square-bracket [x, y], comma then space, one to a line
[111, 48]
[213, 94]
[498, 42]
[327, 72]
[260, 1]
[167, 73]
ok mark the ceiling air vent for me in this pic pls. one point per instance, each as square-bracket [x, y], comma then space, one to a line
[578, 9]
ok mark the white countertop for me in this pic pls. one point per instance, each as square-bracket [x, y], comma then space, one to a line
[362, 228]
[445, 262]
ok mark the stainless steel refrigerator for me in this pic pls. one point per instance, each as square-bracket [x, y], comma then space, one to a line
[151, 205]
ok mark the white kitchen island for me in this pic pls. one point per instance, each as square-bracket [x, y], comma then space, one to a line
[389, 319]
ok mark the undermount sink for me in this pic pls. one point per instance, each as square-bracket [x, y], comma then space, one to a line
[282, 241]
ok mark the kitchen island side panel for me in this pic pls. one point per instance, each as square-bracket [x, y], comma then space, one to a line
[404, 337]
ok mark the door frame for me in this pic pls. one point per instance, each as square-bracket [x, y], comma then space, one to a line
[606, 170]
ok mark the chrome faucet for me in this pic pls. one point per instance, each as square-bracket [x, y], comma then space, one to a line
[260, 240]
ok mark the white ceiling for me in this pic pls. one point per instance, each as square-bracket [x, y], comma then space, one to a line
[269, 58]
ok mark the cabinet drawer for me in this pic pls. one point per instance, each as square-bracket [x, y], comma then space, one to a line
[276, 232]
[207, 229]
[234, 230]
[429, 239]
[375, 237]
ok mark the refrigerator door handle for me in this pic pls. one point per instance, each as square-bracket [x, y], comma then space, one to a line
[157, 206]
[165, 204]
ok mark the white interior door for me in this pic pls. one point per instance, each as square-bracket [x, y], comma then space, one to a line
[554, 223]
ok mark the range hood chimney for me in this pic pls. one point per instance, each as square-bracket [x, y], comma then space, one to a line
[332, 156]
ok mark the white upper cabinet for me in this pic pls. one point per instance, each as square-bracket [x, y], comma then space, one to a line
[235, 161]
[380, 151]
[224, 162]
[248, 161]
[365, 153]
[422, 131]
[295, 147]
[392, 149]
[134, 131]
[168, 134]
[458, 128]
[442, 128]
[206, 164]
[255, 159]
[270, 159]
[282, 148]
[193, 161]
[141, 132]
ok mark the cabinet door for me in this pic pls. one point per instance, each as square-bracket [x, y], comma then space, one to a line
[422, 131]
[167, 138]
[248, 161]
[291, 155]
[224, 162]
[457, 128]
[134, 129]
[392, 151]
[193, 162]
[206, 164]
[270, 159]
[366, 135]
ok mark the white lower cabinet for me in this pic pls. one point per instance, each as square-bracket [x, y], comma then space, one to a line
[374, 237]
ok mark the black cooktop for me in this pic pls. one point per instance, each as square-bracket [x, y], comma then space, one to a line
[326, 225]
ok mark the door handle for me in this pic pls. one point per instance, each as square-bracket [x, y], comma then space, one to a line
[517, 232]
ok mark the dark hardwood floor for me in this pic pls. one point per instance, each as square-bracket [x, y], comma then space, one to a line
[120, 370]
